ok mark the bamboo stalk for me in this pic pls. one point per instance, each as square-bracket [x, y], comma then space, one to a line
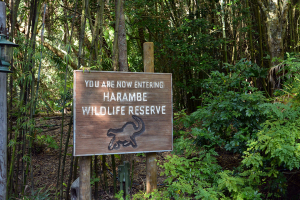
[223, 30]
[75, 168]
[260, 40]
[70, 176]
[64, 156]
[115, 45]
[122, 42]
[234, 49]
[101, 31]
[95, 31]
[250, 34]
[85, 4]
[114, 173]
[96, 172]
[104, 173]
[32, 62]
[291, 28]
[64, 101]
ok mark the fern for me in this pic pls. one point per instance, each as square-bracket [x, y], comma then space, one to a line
[278, 139]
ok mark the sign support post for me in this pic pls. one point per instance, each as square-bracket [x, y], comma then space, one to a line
[3, 118]
[84, 178]
[151, 168]
[122, 113]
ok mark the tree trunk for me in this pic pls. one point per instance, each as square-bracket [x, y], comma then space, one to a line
[115, 45]
[275, 18]
[223, 31]
[122, 43]
[85, 4]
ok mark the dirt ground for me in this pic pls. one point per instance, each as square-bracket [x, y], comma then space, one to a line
[46, 160]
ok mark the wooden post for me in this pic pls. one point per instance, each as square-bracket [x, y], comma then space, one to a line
[3, 118]
[3, 136]
[148, 48]
[84, 178]
[151, 168]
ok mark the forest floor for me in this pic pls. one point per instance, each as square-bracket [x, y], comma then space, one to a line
[46, 160]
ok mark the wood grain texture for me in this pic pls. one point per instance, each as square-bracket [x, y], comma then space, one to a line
[3, 118]
[151, 166]
[98, 109]
[84, 180]
[3, 136]
[148, 51]
[151, 175]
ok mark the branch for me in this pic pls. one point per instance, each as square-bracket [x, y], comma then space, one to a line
[262, 6]
[51, 48]
[285, 6]
[59, 54]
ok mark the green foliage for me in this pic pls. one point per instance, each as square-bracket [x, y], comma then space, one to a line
[157, 195]
[187, 41]
[238, 118]
[120, 195]
[194, 53]
[141, 154]
[179, 117]
[94, 179]
[35, 195]
[232, 114]
[292, 77]
[46, 140]
[238, 186]
[197, 174]
[185, 175]
[277, 146]
[278, 141]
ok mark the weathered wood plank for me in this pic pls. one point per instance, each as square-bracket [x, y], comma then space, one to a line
[118, 112]
[3, 136]
[3, 117]
[84, 180]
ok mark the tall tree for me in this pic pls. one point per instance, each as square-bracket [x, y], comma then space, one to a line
[122, 43]
[276, 16]
[115, 44]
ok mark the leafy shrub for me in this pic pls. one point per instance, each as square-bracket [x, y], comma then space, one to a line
[197, 175]
[157, 195]
[292, 78]
[238, 186]
[232, 115]
[278, 141]
[120, 195]
[47, 140]
[237, 116]
[277, 147]
[35, 195]
[184, 174]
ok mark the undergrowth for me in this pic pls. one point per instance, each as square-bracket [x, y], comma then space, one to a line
[242, 120]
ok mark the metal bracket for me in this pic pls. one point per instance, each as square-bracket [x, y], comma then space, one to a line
[123, 175]
[4, 31]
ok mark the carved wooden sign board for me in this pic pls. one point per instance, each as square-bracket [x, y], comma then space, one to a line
[122, 112]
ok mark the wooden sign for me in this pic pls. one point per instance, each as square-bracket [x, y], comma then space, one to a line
[122, 112]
